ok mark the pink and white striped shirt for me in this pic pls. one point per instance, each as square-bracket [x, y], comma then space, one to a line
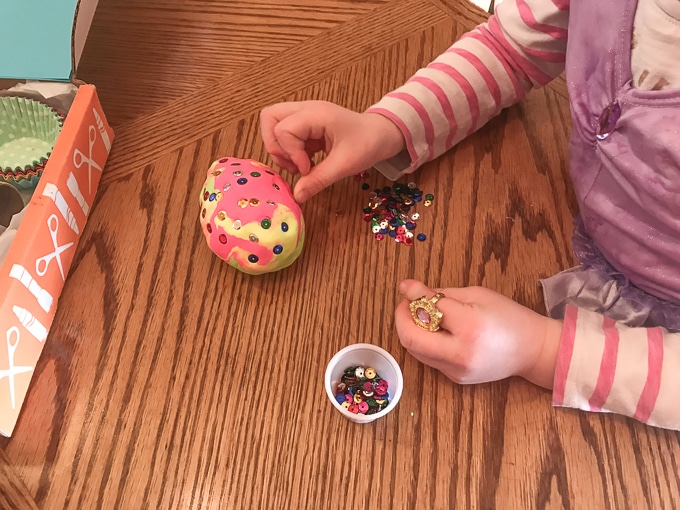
[602, 365]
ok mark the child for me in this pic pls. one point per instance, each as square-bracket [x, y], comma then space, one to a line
[612, 343]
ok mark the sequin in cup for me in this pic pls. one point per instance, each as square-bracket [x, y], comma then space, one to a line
[364, 355]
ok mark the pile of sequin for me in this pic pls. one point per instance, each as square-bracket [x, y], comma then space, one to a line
[390, 211]
[362, 391]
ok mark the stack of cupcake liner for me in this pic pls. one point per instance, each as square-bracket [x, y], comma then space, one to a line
[28, 131]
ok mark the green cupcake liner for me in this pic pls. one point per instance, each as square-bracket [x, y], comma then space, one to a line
[28, 132]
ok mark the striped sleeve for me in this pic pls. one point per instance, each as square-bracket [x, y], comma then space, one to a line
[492, 67]
[603, 366]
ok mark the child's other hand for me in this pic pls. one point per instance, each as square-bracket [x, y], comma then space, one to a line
[353, 142]
[483, 336]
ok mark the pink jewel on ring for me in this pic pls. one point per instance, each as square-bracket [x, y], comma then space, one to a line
[425, 313]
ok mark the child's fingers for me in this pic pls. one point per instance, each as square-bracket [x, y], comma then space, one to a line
[451, 305]
[285, 163]
[295, 132]
[438, 345]
[270, 117]
[413, 289]
[311, 184]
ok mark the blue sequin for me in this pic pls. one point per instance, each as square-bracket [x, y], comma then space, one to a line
[384, 231]
[421, 237]
[410, 225]
[212, 197]
[253, 258]
[242, 180]
[278, 249]
[393, 233]
[284, 226]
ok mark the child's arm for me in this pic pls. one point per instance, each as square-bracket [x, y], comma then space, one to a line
[522, 46]
[589, 361]
[607, 367]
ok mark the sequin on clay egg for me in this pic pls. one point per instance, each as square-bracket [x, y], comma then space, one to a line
[254, 202]
[243, 203]
[238, 173]
[278, 249]
[242, 181]
[254, 238]
[255, 174]
[266, 223]
[223, 239]
[276, 187]
[236, 225]
[221, 216]
[269, 202]
[269, 172]
[212, 197]
[284, 226]
[205, 196]
[227, 186]
[203, 213]
[253, 258]
[209, 228]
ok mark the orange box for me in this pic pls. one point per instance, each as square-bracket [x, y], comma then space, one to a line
[34, 271]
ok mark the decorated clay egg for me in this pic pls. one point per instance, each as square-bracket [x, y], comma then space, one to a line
[249, 216]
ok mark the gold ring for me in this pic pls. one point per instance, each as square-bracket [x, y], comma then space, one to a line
[425, 313]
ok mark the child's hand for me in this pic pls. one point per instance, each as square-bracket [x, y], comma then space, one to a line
[353, 142]
[483, 336]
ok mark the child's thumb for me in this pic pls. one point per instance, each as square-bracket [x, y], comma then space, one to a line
[329, 171]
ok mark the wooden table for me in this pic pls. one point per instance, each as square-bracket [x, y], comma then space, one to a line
[170, 380]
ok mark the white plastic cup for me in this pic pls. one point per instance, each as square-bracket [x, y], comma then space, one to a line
[365, 355]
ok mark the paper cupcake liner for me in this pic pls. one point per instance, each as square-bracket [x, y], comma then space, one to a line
[28, 132]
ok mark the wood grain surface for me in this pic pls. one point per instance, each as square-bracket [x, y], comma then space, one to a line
[170, 380]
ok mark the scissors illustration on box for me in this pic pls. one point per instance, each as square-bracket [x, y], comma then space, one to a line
[80, 159]
[43, 263]
[13, 370]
